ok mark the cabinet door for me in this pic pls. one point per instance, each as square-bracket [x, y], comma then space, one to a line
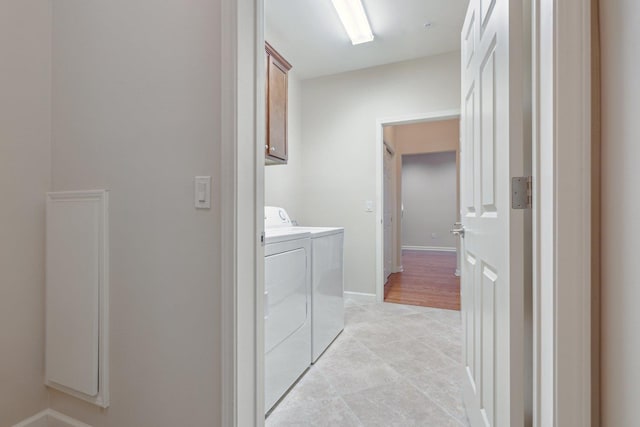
[277, 110]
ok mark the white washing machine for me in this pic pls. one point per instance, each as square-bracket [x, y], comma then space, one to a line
[327, 278]
[287, 310]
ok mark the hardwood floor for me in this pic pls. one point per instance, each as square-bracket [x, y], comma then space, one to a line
[428, 280]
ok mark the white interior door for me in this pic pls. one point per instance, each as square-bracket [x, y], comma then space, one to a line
[388, 213]
[494, 65]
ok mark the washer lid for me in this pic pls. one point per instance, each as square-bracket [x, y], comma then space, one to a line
[276, 235]
[321, 231]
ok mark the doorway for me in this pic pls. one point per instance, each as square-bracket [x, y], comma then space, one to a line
[241, 333]
[327, 182]
[399, 139]
[428, 208]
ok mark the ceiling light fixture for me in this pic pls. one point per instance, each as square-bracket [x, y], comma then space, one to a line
[354, 20]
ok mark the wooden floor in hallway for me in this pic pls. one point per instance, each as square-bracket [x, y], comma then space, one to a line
[428, 280]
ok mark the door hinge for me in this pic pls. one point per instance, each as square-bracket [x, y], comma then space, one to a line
[521, 192]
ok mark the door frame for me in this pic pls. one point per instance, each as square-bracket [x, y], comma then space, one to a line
[379, 147]
[241, 189]
[562, 203]
[561, 213]
[388, 152]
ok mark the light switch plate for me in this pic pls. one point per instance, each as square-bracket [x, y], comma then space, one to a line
[202, 192]
[368, 206]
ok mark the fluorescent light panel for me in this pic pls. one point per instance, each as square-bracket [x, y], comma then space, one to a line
[354, 20]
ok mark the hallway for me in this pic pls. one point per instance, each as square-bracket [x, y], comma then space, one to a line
[428, 280]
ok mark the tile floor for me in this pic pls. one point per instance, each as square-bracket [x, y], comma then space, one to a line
[394, 365]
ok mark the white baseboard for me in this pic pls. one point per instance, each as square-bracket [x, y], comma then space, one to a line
[429, 248]
[361, 297]
[50, 418]
[397, 269]
[38, 420]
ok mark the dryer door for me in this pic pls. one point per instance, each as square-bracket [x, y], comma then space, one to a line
[286, 305]
[287, 322]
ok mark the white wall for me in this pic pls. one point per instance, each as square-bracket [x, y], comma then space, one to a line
[282, 182]
[136, 110]
[620, 339]
[339, 116]
[25, 177]
[429, 183]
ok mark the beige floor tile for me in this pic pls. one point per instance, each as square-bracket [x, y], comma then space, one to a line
[398, 404]
[444, 388]
[311, 387]
[393, 365]
[319, 413]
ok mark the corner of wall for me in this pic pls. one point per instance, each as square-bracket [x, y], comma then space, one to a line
[25, 177]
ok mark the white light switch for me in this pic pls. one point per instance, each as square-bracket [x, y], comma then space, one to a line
[203, 192]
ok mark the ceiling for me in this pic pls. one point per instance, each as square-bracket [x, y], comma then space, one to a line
[308, 33]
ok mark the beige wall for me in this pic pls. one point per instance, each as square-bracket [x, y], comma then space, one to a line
[25, 177]
[620, 290]
[389, 136]
[423, 138]
[339, 116]
[136, 110]
[428, 137]
[282, 182]
[429, 199]
[282, 185]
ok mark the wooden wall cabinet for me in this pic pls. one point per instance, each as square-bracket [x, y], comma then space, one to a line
[276, 150]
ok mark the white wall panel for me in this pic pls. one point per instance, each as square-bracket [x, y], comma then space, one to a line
[76, 285]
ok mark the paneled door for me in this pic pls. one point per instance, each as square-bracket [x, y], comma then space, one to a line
[388, 212]
[493, 149]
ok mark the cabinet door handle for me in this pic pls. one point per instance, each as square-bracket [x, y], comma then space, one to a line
[272, 149]
[266, 147]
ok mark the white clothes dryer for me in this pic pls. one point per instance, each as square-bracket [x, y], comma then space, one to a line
[327, 278]
[287, 310]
